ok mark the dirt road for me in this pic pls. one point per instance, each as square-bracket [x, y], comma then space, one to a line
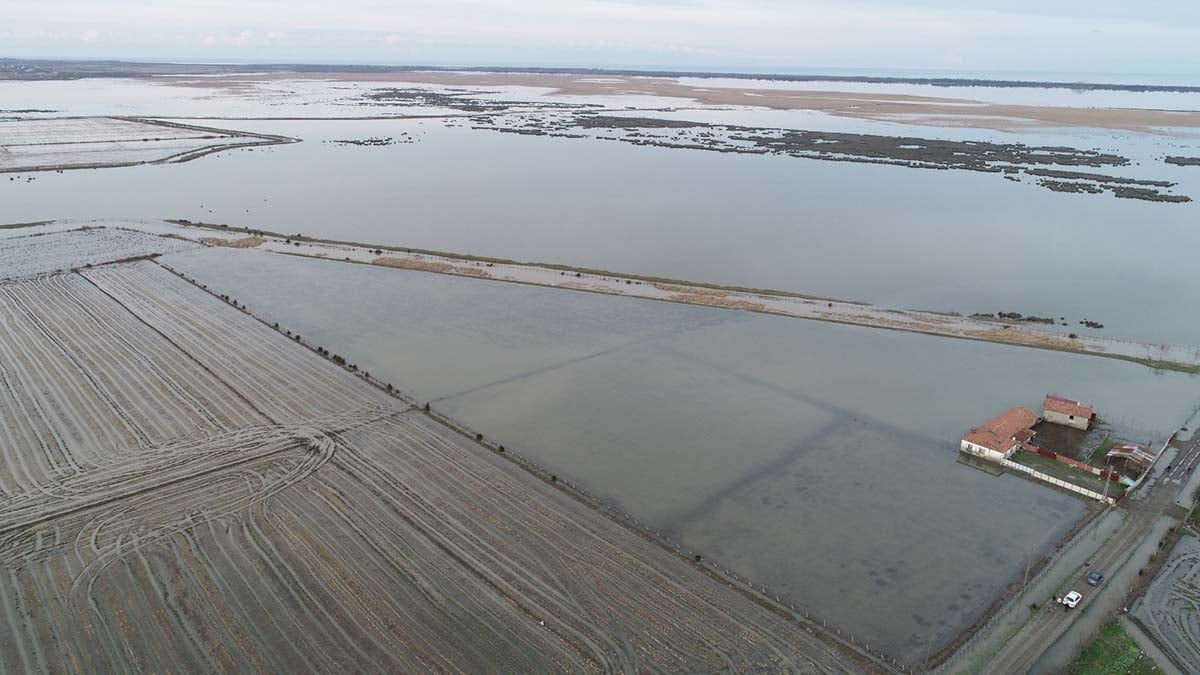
[1156, 499]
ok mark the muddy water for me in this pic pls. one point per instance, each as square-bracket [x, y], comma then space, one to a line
[816, 459]
[895, 236]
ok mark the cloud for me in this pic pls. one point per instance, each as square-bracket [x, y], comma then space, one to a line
[788, 34]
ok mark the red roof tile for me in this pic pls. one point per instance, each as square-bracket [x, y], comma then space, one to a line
[1001, 432]
[1066, 406]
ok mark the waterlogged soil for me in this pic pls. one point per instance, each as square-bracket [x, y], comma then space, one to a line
[23, 255]
[28, 145]
[1168, 610]
[158, 482]
[816, 460]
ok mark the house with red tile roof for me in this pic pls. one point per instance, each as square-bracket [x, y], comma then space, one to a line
[1067, 412]
[1002, 435]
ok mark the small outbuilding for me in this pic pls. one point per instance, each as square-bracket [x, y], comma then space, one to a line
[1142, 456]
[1001, 436]
[1069, 413]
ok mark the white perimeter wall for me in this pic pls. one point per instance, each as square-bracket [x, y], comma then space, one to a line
[1009, 464]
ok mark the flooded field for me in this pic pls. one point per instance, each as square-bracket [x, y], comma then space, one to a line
[28, 145]
[890, 235]
[185, 488]
[818, 460]
[26, 254]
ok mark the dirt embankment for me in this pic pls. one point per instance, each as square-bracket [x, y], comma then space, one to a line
[429, 266]
[244, 242]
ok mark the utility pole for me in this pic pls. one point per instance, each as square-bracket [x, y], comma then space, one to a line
[1107, 480]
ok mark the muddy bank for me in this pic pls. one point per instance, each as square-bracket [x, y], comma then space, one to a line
[1160, 357]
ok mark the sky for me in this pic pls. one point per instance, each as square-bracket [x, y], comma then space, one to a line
[1052, 36]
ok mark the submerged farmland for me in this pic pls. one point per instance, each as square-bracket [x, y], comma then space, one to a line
[186, 488]
[28, 145]
[26, 254]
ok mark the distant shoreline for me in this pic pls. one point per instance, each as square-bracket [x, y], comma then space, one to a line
[48, 69]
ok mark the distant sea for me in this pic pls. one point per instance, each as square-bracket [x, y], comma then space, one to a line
[1020, 75]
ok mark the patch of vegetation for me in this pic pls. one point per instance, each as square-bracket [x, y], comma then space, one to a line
[14, 226]
[1113, 652]
[1099, 456]
[1014, 316]
[1159, 364]
[1068, 473]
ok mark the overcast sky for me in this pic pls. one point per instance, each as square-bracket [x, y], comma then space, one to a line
[1081, 36]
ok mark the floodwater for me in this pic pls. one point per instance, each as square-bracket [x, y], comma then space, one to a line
[910, 238]
[815, 459]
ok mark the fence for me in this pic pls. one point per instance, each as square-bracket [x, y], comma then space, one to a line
[1022, 601]
[1161, 451]
[1028, 595]
[1009, 464]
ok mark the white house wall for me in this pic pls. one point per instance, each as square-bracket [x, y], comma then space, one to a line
[980, 451]
[1067, 420]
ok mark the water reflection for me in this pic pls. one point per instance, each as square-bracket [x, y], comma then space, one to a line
[816, 459]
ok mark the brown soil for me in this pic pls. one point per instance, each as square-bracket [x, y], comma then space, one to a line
[1021, 337]
[690, 290]
[429, 266]
[244, 242]
[717, 301]
[923, 110]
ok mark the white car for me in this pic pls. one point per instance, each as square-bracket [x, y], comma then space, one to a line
[1071, 599]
